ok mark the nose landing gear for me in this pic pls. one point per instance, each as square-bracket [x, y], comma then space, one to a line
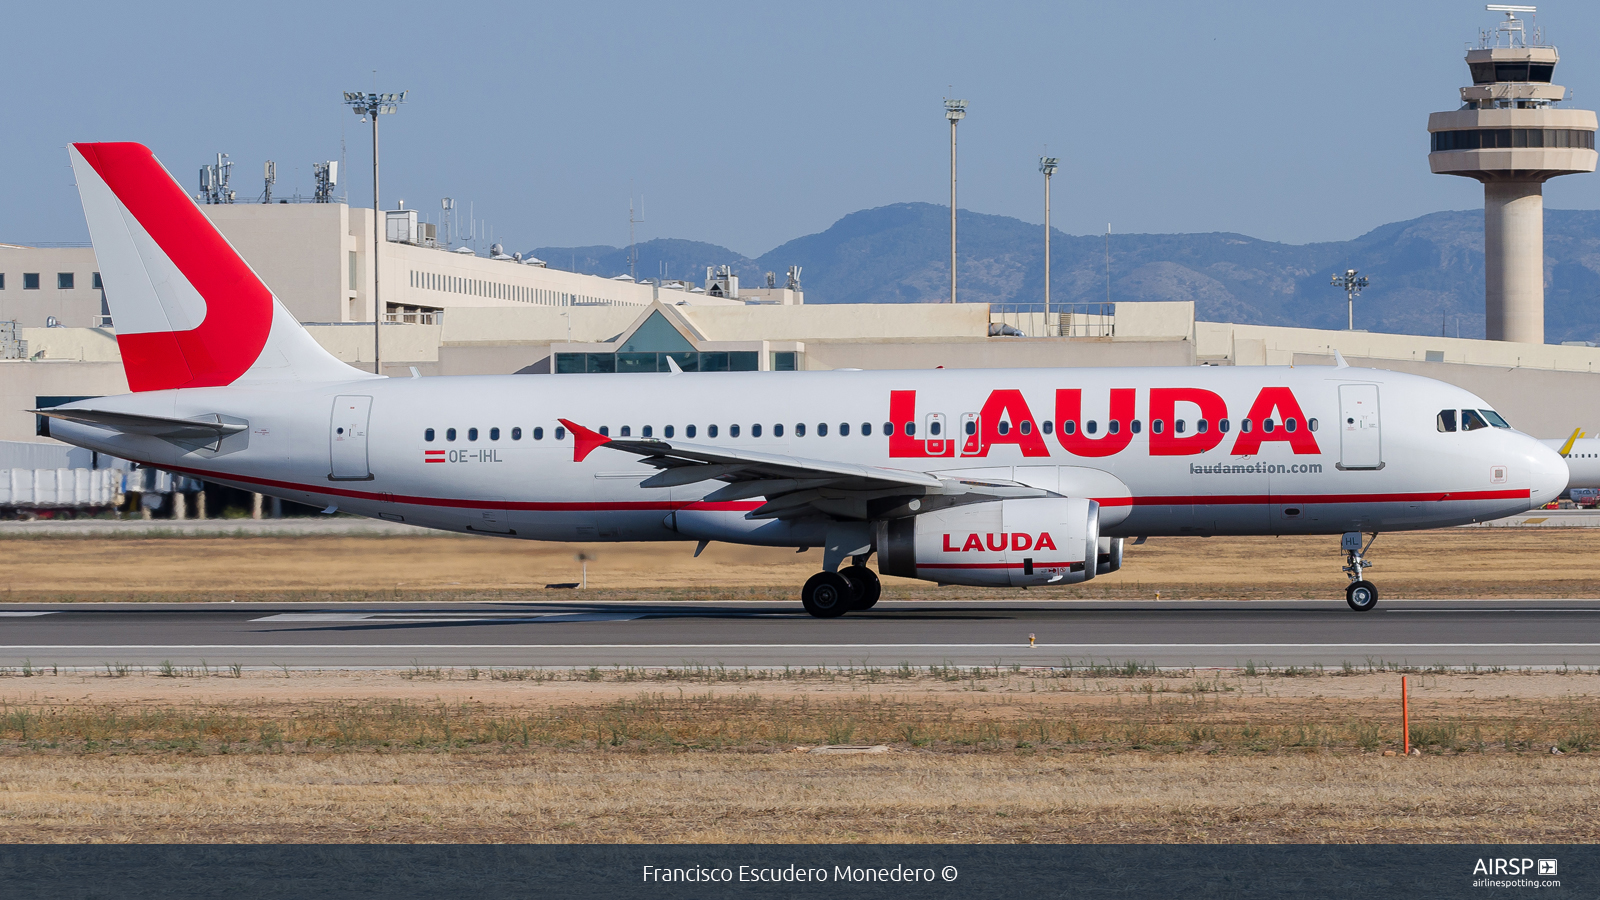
[1361, 594]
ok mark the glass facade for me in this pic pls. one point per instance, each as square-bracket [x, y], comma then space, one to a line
[1512, 138]
[691, 361]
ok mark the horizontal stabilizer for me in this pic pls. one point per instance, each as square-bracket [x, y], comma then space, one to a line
[209, 428]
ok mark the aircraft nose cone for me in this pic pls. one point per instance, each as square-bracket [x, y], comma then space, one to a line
[1548, 475]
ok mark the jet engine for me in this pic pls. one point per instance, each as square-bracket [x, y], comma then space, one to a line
[1001, 543]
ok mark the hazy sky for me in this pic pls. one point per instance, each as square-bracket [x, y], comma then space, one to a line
[748, 124]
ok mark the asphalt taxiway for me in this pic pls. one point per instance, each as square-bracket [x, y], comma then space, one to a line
[579, 634]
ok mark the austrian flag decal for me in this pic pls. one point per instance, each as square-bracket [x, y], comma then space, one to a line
[433, 456]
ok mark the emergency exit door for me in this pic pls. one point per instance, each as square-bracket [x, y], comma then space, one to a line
[347, 435]
[1360, 437]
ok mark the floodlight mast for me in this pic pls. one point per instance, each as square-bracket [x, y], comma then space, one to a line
[1352, 283]
[955, 111]
[372, 105]
[1047, 165]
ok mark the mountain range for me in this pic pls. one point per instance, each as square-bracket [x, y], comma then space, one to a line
[1426, 273]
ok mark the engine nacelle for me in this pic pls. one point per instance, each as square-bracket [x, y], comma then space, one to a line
[1001, 543]
[1110, 556]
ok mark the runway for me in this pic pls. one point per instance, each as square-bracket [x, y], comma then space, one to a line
[576, 634]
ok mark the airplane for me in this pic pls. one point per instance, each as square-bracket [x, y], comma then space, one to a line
[985, 477]
[1582, 454]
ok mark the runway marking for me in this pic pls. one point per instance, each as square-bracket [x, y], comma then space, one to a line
[313, 646]
[26, 614]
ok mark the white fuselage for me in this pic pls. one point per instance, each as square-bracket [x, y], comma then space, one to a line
[1375, 462]
[1583, 461]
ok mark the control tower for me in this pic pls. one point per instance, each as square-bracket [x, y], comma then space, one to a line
[1509, 135]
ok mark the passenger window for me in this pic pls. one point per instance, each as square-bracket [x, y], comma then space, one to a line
[1495, 418]
[935, 427]
[1091, 426]
[428, 435]
[733, 431]
[711, 431]
[1311, 424]
[1157, 426]
[667, 431]
[822, 429]
[494, 434]
[1069, 427]
[1178, 426]
[866, 429]
[449, 434]
[605, 430]
[755, 431]
[472, 434]
[1245, 425]
[1291, 424]
[911, 429]
[1201, 426]
[1026, 427]
[1003, 427]
[516, 434]
[648, 431]
[972, 427]
[844, 429]
[1267, 425]
[1136, 426]
[1471, 421]
[1223, 425]
[1114, 426]
[1048, 426]
[689, 431]
[561, 433]
[538, 433]
[627, 431]
[888, 428]
[799, 430]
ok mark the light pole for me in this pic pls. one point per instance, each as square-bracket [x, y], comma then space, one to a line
[365, 106]
[955, 111]
[1047, 165]
[1351, 283]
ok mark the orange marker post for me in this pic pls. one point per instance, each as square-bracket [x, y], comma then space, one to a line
[1405, 715]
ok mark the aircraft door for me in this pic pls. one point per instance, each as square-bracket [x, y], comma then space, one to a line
[347, 434]
[1360, 440]
[971, 440]
[936, 435]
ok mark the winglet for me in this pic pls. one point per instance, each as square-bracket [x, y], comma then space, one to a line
[585, 441]
[1338, 360]
[1567, 447]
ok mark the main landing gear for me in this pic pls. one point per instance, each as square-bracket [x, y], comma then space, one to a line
[830, 594]
[1361, 594]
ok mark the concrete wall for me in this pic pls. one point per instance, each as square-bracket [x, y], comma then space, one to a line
[21, 381]
[76, 308]
[996, 353]
[840, 321]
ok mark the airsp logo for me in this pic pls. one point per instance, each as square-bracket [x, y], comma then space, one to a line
[1547, 867]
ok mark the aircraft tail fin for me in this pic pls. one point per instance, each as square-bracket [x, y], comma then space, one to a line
[1567, 447]
[188, 310]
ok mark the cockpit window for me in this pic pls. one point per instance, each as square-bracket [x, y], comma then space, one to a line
[1447, 420]
[1472, 421]
[1495, 418]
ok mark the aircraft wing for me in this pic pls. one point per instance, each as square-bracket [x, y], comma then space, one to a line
[793, 485]
[207, 428]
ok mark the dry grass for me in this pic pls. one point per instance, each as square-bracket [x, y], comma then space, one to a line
[992, 756]
[1526, 562]
[910, 797]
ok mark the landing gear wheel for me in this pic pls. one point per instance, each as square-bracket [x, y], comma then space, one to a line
[1361, 595]
[868, 587]
[828, 594]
